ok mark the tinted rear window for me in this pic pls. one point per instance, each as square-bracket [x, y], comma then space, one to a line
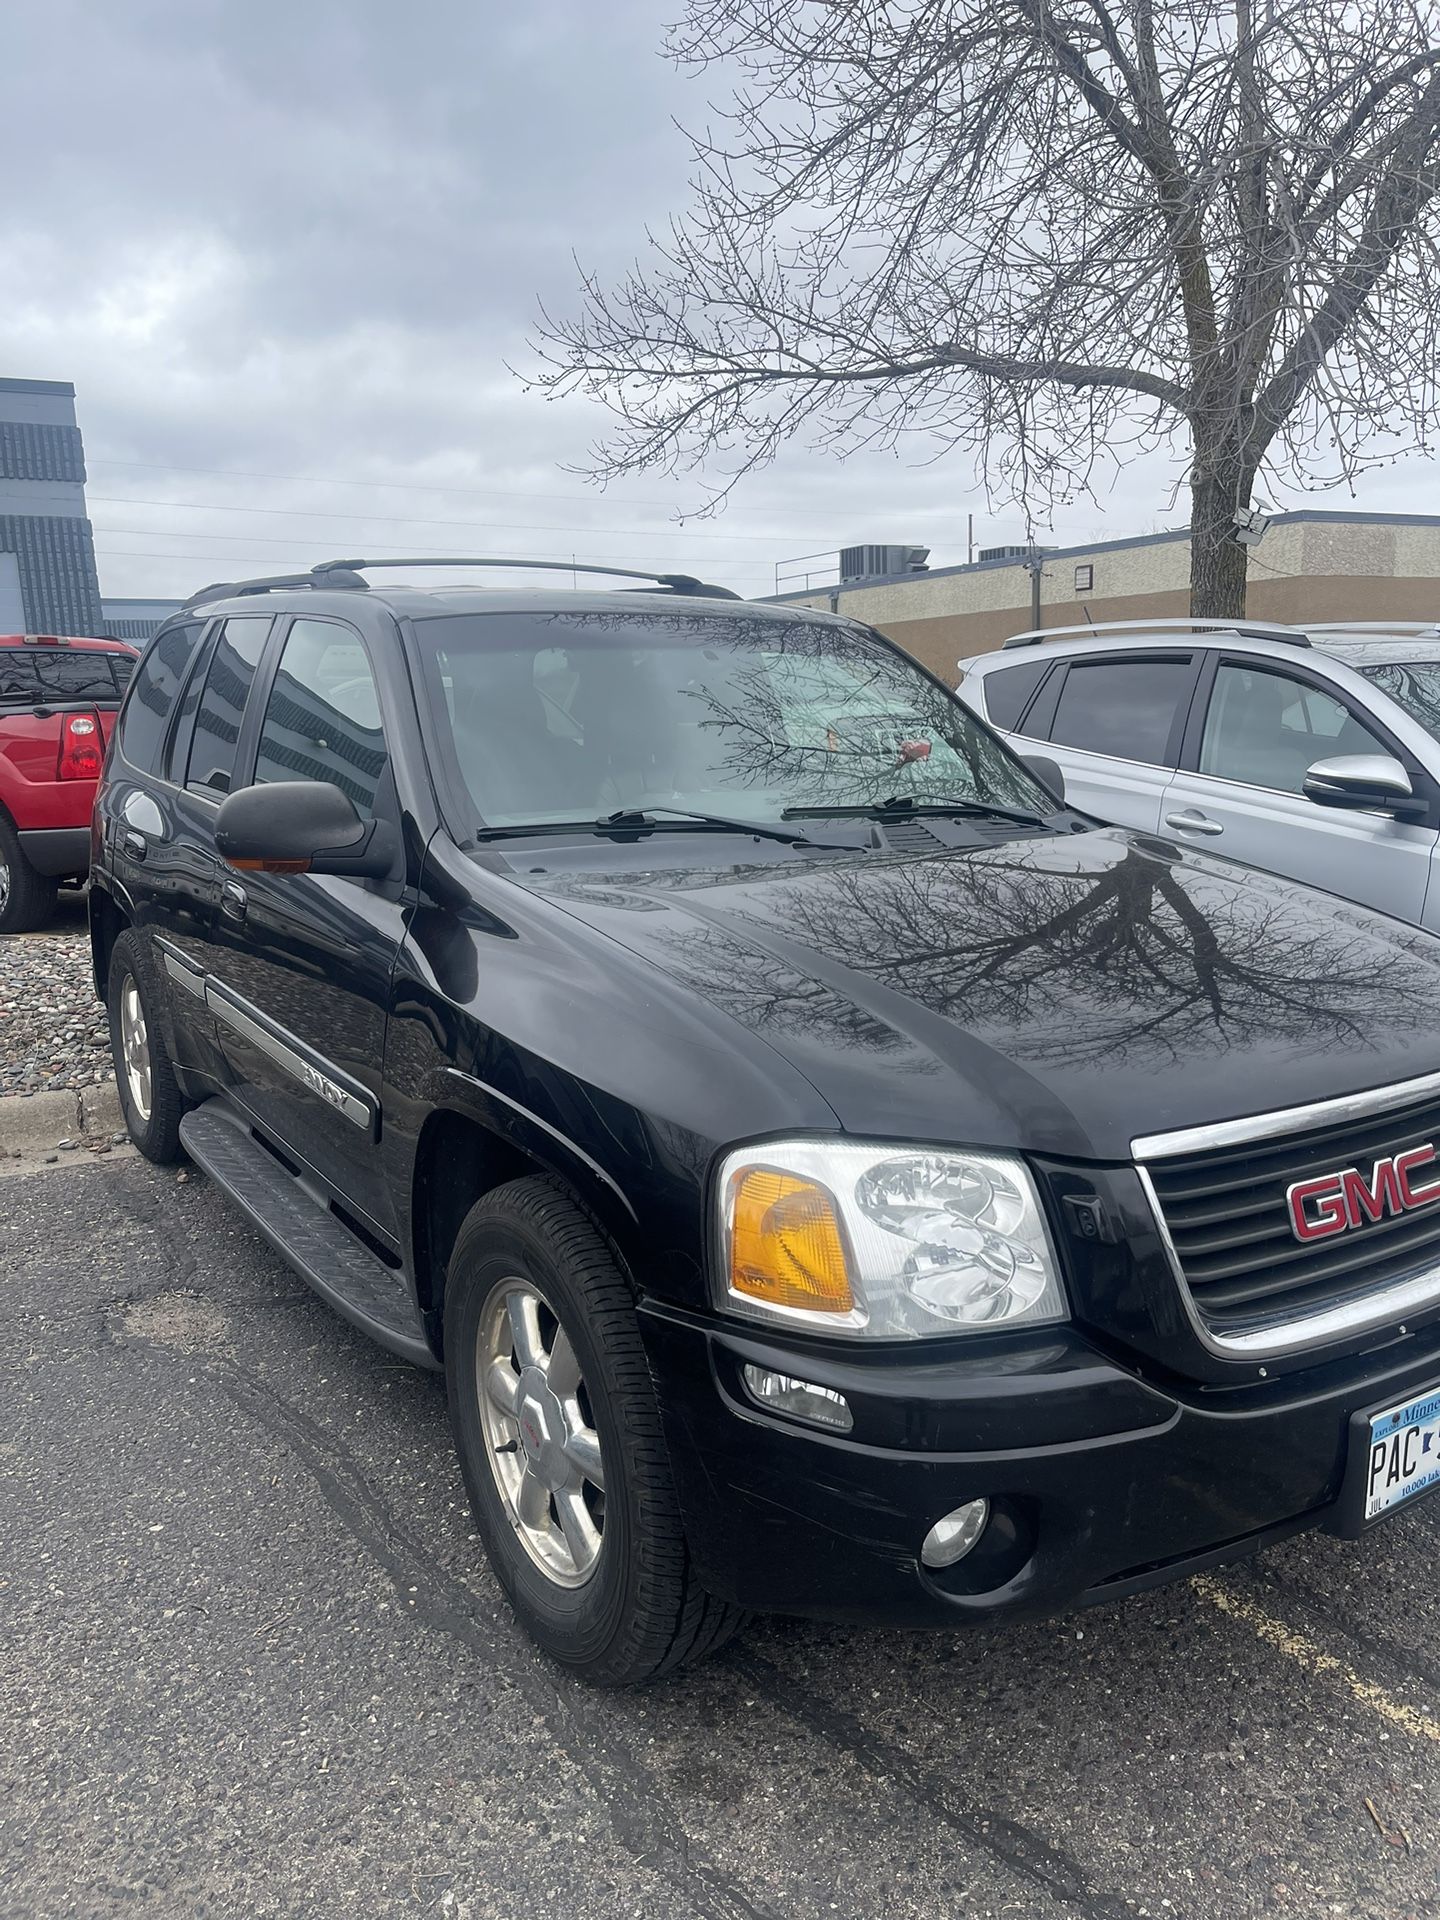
[30, 676]
[157, 680]
[1125, 708]
[1008, 690]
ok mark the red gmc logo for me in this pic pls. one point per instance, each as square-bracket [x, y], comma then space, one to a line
[1335, 1202]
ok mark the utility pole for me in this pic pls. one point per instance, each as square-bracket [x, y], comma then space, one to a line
[1035, 567]
[969, 539]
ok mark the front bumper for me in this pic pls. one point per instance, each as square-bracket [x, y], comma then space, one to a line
[1101, 1482]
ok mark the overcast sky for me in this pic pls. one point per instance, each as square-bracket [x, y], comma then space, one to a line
[286, 248]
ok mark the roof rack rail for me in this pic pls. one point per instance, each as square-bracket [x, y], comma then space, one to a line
[345, 574]
[1411, 629]
[1247, 629]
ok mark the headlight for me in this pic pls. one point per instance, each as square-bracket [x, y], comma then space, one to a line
[890, 1243]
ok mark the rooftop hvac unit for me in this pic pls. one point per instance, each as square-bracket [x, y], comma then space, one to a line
[871, 563]
[1010, 553]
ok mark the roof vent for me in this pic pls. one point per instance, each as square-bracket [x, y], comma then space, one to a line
[874, 563]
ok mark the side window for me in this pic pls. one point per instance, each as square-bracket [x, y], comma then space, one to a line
[1008, 690]
[153, 688]
[322, 721]
[1267, 730]
[1125, 708]
[228, 680]
[19, 682]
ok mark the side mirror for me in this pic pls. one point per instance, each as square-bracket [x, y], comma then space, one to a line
[301, 826]
[1363, 782]
[1048, 772]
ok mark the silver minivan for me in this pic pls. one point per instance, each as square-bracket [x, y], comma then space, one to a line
[1312, 752]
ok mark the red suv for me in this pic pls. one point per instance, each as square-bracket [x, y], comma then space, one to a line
[58, 701]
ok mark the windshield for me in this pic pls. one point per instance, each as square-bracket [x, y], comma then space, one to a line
[1413, 685]
[571, 716]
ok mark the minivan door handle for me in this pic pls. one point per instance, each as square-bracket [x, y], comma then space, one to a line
[1192, 822]
[234, 901]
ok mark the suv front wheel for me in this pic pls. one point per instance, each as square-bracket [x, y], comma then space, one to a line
[560, 1442]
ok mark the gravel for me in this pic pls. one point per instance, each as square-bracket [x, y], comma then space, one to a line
[53, 1035]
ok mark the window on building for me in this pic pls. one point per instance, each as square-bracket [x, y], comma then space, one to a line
[1267, 730]
[1008, 691]
[1125, 708]
[323, 717]
[157, 680]
[1085, 578]
[222, 703]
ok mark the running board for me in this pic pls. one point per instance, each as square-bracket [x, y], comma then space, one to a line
[304, 1231]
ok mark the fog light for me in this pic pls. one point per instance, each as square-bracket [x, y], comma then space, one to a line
[952, 1538]
[801, 1398]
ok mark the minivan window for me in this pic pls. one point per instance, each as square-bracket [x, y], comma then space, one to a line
[1008, 689]
[322, 721]
[151, 700]
[1267, 729]
[1125, 708]
[222, 703]
[570, 716]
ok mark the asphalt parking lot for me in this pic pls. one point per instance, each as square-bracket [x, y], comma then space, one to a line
[253, 1664]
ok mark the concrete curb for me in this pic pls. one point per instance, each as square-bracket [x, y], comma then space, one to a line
[33, 1127]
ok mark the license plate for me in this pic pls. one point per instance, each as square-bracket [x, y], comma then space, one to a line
[1404, 1454]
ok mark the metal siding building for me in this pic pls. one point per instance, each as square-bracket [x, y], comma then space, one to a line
[48, 581]
[135, 620]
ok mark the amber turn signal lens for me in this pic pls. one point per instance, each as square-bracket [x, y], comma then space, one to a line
[785, 1244]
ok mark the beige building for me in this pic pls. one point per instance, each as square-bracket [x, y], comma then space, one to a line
[1309, 566]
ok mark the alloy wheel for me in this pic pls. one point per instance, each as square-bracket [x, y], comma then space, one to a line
[135, 1049]
[541, 1442]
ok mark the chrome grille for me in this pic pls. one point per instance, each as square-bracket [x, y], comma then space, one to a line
[1225, 1214]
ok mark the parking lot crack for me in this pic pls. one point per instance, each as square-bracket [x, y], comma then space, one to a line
[644, 1824]
[1013, 1845]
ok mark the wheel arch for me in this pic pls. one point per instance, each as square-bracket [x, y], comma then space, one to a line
[108, 920]
[465, 1152]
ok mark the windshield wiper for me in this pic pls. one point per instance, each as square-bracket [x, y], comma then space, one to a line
[684, 816]
[681, 820]
[907, 803]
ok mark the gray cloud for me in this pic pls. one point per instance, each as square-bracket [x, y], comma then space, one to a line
[305, 239]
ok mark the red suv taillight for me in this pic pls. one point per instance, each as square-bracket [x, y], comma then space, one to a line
[82, 748]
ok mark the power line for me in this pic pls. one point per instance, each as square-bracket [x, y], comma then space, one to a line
[471, 526]
[423, 486]
[260, 558]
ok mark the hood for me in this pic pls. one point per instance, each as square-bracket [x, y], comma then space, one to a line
[1063, 995]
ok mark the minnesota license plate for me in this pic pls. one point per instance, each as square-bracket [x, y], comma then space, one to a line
[1404, 1454]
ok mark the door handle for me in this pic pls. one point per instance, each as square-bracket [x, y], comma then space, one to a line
[1192, 822]
[135, 844]
[234, 901]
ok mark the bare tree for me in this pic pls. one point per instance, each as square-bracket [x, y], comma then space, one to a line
[1049, 232]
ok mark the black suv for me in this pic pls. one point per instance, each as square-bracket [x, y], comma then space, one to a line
[834, 1177]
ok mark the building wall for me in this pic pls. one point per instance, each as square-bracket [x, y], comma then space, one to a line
[43, 521]
[135, 620]
[1310, 566]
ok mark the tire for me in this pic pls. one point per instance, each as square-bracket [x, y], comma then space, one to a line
[636, 1611]
[27, 898]
[144, 1078]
